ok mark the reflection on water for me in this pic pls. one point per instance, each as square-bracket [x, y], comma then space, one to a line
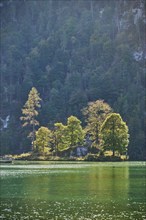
[73, 191]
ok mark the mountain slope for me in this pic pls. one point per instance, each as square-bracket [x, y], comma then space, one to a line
[73, 52]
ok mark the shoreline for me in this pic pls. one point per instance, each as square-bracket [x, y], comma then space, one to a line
[32, 157]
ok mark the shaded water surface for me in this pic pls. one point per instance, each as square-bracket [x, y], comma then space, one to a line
[73, 191]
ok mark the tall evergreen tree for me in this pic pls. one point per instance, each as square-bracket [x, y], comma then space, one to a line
[30, 113]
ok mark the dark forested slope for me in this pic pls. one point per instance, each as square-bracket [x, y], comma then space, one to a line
[73, 52]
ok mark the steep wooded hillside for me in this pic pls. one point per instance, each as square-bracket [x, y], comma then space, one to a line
[73, 52]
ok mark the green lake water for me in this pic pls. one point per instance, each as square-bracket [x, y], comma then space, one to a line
[73, 191]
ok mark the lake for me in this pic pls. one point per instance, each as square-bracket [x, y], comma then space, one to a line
[73, 191]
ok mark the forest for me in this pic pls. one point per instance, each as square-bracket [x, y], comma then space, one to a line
[73, 52]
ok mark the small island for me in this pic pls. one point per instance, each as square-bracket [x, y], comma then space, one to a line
[104, 137]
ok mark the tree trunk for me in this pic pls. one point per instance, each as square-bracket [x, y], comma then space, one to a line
[33, 134]
[56, 149]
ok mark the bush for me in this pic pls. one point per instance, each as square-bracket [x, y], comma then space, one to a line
[102, 158]
[91, 157]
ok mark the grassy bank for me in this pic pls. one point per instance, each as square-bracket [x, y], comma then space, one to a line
[31, 156]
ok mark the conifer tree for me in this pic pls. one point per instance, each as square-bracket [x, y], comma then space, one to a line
[30, 113]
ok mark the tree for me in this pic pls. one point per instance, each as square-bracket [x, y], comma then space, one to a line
[95, 113]
[59, 137]
[68, 136]
[30, 113]
[43, 137]
[114, 134]
[75, 133]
